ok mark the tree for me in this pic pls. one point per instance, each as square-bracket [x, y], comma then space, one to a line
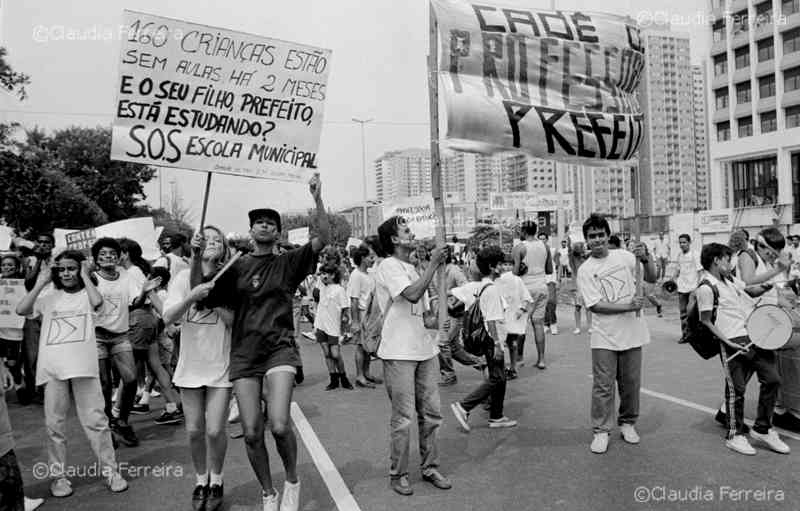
[485, 234]
[41, 199]
[12, 81]
[340, 227]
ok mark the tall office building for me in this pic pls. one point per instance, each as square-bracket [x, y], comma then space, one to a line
[405, 173]
[667, 156]
[605, 190]
[754, 95]
[701, 154]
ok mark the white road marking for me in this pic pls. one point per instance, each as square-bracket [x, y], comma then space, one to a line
[330, 475]
[701, 408]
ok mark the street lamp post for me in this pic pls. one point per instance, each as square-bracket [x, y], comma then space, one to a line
[362, 122]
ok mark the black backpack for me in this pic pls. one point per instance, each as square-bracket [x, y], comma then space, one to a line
[705, 343]
[474, 336]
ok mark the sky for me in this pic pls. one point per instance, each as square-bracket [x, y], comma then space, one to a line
[378, 71]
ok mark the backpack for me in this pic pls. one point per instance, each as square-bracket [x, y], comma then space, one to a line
[373, 322]
[705, 343]
[474, 336]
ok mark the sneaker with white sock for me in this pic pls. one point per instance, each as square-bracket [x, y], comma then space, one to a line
[462, 416]
[599, 443]
[270, 502]
[554, 329]
[61, 487]
[629, 433]
[291, 496]
[771, 439]
[576, 331]
[740, 444]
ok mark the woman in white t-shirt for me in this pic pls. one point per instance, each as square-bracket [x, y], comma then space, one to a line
[409, 354]
[202, 371]
[68, 362]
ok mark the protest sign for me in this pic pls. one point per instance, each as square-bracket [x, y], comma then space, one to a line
[210, 99]
[140, 230]
[60, 236]
[298, 236]
[530, 201]
[558, 85]
[11, 292]
[418, 212]
[6, 235]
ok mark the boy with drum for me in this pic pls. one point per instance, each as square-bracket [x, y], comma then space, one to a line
[733, 307]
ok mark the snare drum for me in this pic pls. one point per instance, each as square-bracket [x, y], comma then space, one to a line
[771, 327]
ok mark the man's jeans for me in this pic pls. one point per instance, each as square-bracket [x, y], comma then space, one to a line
[625, 369]
[413, 386]
[494, 388]
[683, 304]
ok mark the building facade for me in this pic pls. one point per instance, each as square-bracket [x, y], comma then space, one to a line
[701, 152]
[754, 98]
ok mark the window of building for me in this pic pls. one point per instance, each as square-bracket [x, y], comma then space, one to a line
[764, 12]
[766, 86]
[743, 92]
[723, 131]
[745, 126]
[718, 29]
[742, 57]
[791, 79]
[792, 117]
[791, 41]
[769, 122]
[790, 7]
[720, 64]
[755, 182]
[766, 49]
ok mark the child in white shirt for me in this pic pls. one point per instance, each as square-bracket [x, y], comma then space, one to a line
[333, 318]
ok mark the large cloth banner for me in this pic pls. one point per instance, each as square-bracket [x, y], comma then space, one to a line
[210, 99]
[140, 230]
[418, 212]
[12, 291]
[557, 85]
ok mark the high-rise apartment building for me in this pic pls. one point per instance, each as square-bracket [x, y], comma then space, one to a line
[667, 156]
[701, 154]
[754, 98]
[605, 190]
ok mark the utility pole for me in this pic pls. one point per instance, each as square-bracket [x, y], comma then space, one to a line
[362, 122]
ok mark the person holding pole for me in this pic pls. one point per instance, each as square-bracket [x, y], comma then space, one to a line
[259, 288]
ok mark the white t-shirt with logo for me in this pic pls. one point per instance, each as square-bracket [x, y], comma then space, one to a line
[117, 296]
[404, 336]
[67, 345]
[688, 268]
[516, 296]
[361, 286]
[332, 299]
[611, 279]
[204, 357]
[733, 307]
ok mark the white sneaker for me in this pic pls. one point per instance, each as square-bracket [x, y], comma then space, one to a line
[116, 483]
[502, 422]
[155, 393]
[269, 502]
[740, 444]
[771, 439]
[554, 329]
[115, 412]
[629, 433]
[599, 443]
[462, 416]
[33, 504]
[291, 496]
[61, 487]
[576, 331]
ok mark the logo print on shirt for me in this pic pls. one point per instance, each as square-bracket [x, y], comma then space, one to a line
[110, 306]
[613, 285]
[66, 329]
[256, 282]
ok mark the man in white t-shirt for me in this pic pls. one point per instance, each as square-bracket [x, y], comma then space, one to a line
[661, 250]
[688, 276]
[409, 353]
[562, 263]
[729, 327]
[607, 283]
[493, 308]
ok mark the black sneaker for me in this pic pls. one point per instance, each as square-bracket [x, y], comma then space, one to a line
[299, 376]
[214, 502]
[199, 498]
[169, 417]
[140, 409]
[786, 421]
[125, 434]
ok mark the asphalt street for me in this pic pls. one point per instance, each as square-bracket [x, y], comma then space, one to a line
[544, 463]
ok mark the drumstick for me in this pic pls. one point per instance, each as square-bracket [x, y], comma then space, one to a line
[230, 262]
[742, 350]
